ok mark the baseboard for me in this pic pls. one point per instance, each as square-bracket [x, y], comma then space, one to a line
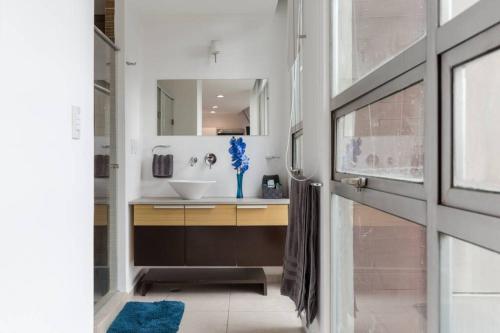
[108, 312]
[105, 316]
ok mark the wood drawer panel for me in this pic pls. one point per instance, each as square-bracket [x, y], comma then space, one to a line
[262, 215]
[211, 246]
[159, 246]
[101, 215]
[158, 215]
[210, 215]
[261, 245]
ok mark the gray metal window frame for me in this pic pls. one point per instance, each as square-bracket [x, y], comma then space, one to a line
[407, 188]
[298, 128]
[297, 131]
[425, 207]
[475, 48]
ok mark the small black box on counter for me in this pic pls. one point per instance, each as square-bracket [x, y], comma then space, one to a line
[271, 187]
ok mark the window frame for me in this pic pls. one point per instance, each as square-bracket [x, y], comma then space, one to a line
[297, 131]
[480, 201]
[297, 125]
[407, 188]
[425, 206]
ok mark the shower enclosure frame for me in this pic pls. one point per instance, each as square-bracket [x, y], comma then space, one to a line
[111, 147]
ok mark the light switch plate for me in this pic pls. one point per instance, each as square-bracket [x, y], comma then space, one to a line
[75, 122]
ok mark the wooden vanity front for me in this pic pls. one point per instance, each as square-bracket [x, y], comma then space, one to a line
[209, 232]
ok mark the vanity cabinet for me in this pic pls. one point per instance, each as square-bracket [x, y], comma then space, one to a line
[260, 246]
[209, 234]
[159, 246]
[211, 246]
[159, 235]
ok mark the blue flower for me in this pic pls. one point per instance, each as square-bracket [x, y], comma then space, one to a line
[239, 160]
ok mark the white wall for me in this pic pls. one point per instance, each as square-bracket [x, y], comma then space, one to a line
[253, 46]
[46, 191]
[317, 135]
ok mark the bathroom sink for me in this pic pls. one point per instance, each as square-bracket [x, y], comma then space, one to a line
[191, 189]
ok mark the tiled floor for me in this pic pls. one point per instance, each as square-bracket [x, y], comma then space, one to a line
[231, 309]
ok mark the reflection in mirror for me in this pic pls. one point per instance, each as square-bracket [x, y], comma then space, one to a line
[213, 107]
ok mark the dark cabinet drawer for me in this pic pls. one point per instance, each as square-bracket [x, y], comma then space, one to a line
[159, 246]
[211, 246]
[260, 246]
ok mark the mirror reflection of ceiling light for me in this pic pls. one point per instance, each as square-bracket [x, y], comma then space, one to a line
[212, 112]
[220, 96]
[215, 107]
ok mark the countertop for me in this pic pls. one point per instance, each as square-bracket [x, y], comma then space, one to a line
[207, 201]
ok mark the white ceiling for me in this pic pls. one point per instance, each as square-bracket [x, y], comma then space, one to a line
[204, 7]
[236, 95]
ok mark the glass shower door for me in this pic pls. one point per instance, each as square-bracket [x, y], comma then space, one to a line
[104, 171]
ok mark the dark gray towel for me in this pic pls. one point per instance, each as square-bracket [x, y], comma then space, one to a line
[300, 268]
[163, 166]
[101, 166]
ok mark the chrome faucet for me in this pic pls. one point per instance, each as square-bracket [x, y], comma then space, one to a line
[193, 160]
[210, 159]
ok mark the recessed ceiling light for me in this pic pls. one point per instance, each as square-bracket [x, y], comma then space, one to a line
[212, 112]
[215, 107]
[220, 96]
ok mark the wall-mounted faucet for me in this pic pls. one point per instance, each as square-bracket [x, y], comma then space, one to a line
[193, 160]
[210, 159]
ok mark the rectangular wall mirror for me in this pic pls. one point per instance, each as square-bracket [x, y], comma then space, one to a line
[213, 107]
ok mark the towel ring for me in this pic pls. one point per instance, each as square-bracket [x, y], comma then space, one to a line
[159, 146]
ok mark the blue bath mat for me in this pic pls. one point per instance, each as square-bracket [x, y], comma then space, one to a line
[142, 317]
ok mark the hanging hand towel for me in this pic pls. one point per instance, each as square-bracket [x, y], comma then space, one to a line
[163, 166]
[101, 166]
[300, 268]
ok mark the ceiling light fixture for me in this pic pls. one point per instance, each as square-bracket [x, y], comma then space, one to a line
[215, 49]
[215, 107]
[212, 112]
[220, 96]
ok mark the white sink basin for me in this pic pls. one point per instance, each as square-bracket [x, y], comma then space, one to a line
[191, 189]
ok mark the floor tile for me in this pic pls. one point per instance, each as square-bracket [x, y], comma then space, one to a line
[264, 322]
[204, 322]
[247, 299]
[203, 298]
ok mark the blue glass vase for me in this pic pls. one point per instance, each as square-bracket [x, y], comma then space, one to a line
[239, 179]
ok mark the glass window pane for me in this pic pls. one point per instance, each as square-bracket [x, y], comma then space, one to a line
[451, 8]
[471, 287]
[476, 108]
[297, 144]
[380, 266]
[384, 139]
[368, 33]
[297, 91]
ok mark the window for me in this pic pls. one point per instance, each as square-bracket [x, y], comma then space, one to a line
[470, 102]
[476, 108]
[409, 257]
[297, 150]
[296, 130]
[367, 34]
[471, 287]
[385, 138]
[451, 8]
[381, 285]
